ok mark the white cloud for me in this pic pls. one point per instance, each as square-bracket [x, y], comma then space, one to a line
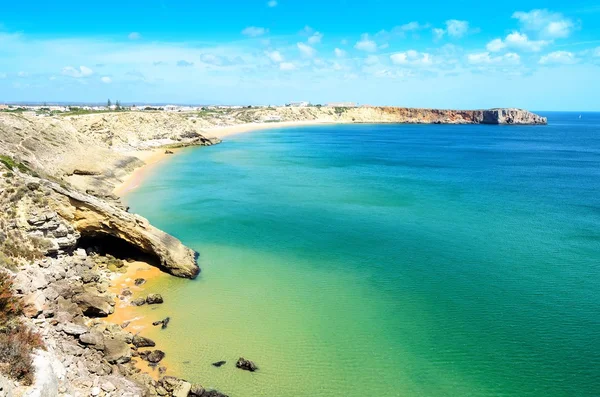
[272, 3]
[275, 56]
[549, 25]
[184, 64]
[484, 58]
[411, 26]
[495, 45]
[522, 42]
[307, 50]
[411, 58]
[2, 75]
[106, 79]
[83, 71]
[287, 66]
[597, 52]
[211, 59]
[315, 38]
[517, 41]
[456, 28]
[438, 33]
[339, 53]
[558, 57]
[22, 74]
[372, 60]
[134, 36]
[254, 31]
[366, 44]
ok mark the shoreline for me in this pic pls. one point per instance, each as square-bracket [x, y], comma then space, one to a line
[153, 157]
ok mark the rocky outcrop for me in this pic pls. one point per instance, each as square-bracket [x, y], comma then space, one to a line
[75, 215]
[246, 365]
[509, 116]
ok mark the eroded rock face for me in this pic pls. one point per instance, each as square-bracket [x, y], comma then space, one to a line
[509, 116]
[87, 215]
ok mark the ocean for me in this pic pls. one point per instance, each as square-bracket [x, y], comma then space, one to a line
[386, 260]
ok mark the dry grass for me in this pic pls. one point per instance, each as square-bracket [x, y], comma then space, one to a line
[16, 340]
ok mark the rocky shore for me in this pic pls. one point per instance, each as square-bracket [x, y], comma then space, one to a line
[64, 236]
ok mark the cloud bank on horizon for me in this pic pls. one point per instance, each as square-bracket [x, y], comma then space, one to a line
[273, 52]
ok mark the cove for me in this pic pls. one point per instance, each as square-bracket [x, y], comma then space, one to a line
[388, 260]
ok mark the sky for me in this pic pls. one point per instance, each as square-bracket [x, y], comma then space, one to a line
[539, 55]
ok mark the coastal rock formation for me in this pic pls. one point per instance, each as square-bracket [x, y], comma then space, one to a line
[246, 365]
[509, 116]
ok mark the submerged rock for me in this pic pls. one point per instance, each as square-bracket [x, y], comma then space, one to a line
[154, 299]
[219, 363]
[155, 356]
[139, 281]
[246, 365]
[138, 302]
[163, 323]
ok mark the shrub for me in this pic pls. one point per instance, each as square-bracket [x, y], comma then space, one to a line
[16, 340]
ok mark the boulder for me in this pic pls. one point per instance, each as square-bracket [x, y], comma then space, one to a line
[182, 389]
[74, 329]
[139, 281]
[138, 302]
[246, 365]
[94, 304]
[155, 356]
[154, 299]
[117, 351]
[140, 341]
[34, 304]
[93, 338]
[197, 390]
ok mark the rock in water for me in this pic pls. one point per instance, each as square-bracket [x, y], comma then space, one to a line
[197, 391]
[246, 365]
[162, 322]
[139, 281]
[219, 363]
[214, 393]
[155, 356]
[140, 341]
[154, 299]
[138, 302]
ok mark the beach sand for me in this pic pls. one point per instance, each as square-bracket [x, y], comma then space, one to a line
[131, 316]
[152, 157]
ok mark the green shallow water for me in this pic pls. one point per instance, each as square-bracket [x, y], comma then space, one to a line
[388, 260]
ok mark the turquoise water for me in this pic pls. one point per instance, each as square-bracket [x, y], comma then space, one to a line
[388, 260]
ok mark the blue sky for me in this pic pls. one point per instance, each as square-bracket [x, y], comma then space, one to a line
[467, 54]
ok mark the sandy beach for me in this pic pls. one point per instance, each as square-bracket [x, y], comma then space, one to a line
[152, 157]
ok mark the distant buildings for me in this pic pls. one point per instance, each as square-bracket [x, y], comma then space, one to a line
[341, 105]
[303, 104]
